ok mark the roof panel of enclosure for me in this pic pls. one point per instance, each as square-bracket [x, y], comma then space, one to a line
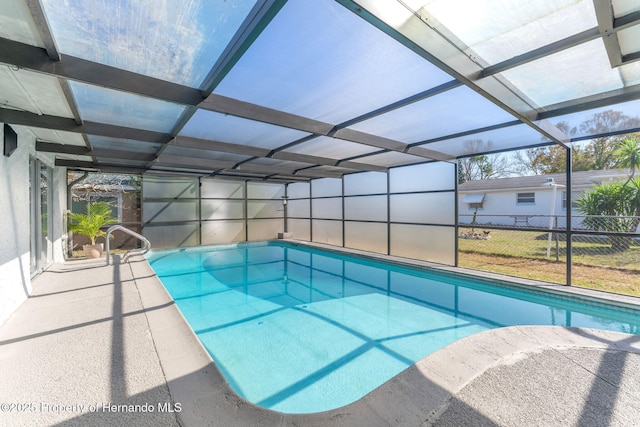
[319, 60]
[171, 40]
[296, 89]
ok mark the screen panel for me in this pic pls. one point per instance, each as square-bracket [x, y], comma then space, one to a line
[160, 187]
[169, 211]
[298, 190]
[428, 243]
[365, 183]
[366, 208]
[432, 176]
[300, 228]
[265, 209]
[329, 232]
[264, 190]
[222, 189]
[215, 232]
[327, 208]
[299, 208]
[325, 187]
[366, 236]
[264, 229]
[171, 236]
[430, 208]
[222, 209]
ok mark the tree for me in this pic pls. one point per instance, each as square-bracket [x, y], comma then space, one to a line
[546, 160]
[482, 167]
[599, 153]
[629, 153]
[615, 207]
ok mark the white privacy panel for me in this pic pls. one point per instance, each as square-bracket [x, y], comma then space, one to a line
[329, 232]
[171, 236]
[299, 208]
[327, 208]
[366, 208]
[265, 209]
[365, 183]
[264, 229]
[222, 209]
[433, 176]
[264, 190]
[221, 189]
[214, 232]
[326, 187]
[300, 228]
[169, 187]
[430, 208]
[174, 210]
[298, 190]
[366, 236]
[428, 243]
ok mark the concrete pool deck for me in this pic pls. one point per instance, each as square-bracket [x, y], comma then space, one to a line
[105, 345]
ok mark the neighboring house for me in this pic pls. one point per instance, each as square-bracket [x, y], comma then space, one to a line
[528, 200]
[125, 207]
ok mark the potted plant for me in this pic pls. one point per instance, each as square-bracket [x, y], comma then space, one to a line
[90, 223]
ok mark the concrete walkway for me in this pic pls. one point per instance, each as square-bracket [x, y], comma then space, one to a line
[98, 345]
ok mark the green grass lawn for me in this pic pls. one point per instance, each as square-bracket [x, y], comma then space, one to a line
[524, 254]
[585, 250]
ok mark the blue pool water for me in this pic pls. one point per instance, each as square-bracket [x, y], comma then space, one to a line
[302, 330]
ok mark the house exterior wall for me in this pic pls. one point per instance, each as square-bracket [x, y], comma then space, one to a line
[15, 229]
[502, 208]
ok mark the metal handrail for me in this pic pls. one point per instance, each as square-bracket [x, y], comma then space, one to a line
[145, 242]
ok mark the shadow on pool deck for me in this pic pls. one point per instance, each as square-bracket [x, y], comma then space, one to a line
[92, 336]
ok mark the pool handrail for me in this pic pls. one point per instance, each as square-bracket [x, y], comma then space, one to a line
[146, 244]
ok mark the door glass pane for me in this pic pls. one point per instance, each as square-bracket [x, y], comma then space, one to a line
[32, 218]
[44, 215]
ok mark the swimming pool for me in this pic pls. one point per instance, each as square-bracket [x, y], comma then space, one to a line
[298, 330]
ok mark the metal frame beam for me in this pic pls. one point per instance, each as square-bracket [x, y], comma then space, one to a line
[48, 147]
[25, 118]
[604, 15]
[42, 24]
[35, 59]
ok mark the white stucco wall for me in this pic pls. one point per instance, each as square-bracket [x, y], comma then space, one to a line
[15, 276]
[500, 207]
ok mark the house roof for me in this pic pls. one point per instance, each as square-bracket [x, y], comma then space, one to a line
[294, 90]
[583, 179]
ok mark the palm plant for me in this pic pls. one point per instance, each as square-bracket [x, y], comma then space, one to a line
[629, 153]
[615, 207]
[90, 223]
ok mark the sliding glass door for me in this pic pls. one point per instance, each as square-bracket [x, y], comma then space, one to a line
[39, 215]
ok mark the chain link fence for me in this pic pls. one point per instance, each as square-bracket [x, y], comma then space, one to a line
[605, 251]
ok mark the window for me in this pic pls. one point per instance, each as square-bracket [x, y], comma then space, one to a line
[475, 201]
[526, 198]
